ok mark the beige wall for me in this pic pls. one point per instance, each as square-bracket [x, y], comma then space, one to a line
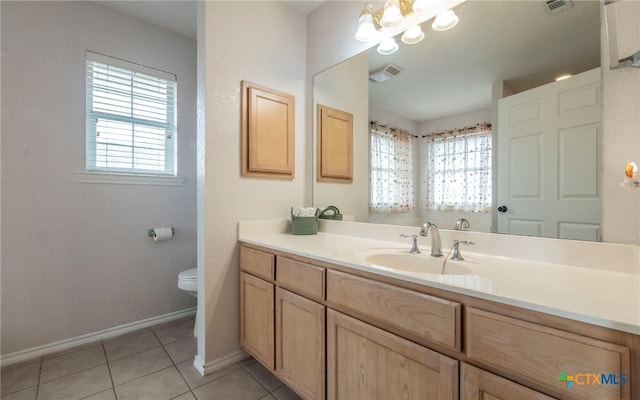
[263, 42]
[76, 257]
[621, 131]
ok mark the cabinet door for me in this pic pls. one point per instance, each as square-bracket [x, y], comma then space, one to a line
[477, 384]
[257, 319]
[300, 344]
[365, 362]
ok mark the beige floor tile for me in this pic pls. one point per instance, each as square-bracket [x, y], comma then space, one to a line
[182, 350]
[171, 332]
[77, 386]
[264, 376]
[162, 385]
[16, 365]
[186, 396]
[130, 345]
[20, 377]
[25, 394]
[268, 397]
[194, 379]
[71, 350]
[138, 365]
[284, 393]
[238, 385]
[72, 362]
[106, 395]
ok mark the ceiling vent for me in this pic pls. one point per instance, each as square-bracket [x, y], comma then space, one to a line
[385, 73]
[557, 6]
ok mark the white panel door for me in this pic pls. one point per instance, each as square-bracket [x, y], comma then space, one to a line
[549, 158]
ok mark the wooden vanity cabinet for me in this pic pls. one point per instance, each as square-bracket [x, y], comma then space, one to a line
[282, 319]
[336, 334]
[365, 362]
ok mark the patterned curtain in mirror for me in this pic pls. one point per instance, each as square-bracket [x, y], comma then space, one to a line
[459, 170]
[391, 170]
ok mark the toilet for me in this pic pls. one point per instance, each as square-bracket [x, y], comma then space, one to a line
[188, 281]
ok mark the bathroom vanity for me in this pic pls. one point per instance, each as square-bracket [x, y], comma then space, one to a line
[331, 325]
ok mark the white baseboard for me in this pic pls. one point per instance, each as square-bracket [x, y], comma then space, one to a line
[219, 363]
[29, 354]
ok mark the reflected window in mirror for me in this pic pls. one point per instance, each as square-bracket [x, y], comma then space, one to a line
[459, 170]
[392, 169]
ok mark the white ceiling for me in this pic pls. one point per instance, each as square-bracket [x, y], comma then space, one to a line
[180, 16]
[516, 41]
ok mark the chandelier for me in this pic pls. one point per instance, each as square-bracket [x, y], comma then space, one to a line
[394, 13]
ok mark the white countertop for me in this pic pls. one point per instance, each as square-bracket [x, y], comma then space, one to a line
[607, 298]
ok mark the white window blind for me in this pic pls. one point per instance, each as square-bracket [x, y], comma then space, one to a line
[131, 118]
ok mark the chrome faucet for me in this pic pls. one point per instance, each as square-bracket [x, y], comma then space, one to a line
[436, 245]
[462, 224]
[414, 247]
[456, 249]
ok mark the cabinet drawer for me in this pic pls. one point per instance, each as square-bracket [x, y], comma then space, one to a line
[303, 278]
[423, 318]
[257, 263]
[538, 355]
[476, 384]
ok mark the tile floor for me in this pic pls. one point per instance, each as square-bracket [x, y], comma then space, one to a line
[151, 364]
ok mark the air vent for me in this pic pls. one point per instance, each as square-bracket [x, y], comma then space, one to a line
[557, 6]
[385, 73]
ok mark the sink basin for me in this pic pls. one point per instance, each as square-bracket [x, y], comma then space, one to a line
[416, 263]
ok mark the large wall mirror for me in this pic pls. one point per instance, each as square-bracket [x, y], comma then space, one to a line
[498, 66]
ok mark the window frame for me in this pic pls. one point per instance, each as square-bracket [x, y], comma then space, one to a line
[92, 170]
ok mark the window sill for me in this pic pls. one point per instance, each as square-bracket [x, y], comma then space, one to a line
[126, 179]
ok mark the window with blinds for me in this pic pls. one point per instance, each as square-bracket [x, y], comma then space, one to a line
[131, 118]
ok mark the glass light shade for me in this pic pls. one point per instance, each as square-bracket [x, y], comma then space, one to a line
[366, 28]
[388, 46]
[422, 5]
[445, 21]
[412, 35]
[392, 15]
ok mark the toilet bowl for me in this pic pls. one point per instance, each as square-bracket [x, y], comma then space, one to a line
[188, 281]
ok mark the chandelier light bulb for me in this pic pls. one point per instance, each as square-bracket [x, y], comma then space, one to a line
[422, 5]
[366, 28]
[388, 46]
[412, 35]
[392, 15]
[445, 21]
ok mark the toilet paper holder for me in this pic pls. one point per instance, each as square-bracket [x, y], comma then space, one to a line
[152, 230]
